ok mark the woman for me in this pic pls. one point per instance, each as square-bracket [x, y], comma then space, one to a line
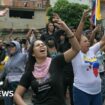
[87, 82]
[52, 48]
[50, 29]
[44, 74]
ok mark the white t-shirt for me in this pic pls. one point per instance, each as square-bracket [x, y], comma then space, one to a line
[86, 74]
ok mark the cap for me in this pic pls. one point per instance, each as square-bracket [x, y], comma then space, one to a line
[11, 44]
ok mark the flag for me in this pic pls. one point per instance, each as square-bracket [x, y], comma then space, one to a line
[98, 10]
[93, 14]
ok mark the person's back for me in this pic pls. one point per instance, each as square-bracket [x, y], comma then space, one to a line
[15, 67]
[17, 60]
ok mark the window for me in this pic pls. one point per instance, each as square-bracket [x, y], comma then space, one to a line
[39, 5]
[21, 14]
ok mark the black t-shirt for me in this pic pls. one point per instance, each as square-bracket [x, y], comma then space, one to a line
[50, 91]
[68, 69]
[45, 37]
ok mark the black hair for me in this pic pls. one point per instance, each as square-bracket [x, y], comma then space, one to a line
[47, 25]
[52, 39]
[31, 59]
[23, 41]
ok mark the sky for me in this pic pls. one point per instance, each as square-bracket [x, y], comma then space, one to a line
[88, 2]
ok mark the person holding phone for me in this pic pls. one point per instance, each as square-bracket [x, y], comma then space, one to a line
[45, 75]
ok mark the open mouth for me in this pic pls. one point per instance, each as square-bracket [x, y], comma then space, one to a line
[88, 46]
[42, 50]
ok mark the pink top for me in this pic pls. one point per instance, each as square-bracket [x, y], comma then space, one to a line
[41, 70]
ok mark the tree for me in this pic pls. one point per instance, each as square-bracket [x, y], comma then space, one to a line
[70, 12]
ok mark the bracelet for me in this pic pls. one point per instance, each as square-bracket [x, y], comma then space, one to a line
[71, 37]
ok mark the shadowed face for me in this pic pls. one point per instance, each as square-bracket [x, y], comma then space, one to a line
[12, 49]
[62, 37]
[39, 49]
[89, 34]
[50, 27]
[85, 44]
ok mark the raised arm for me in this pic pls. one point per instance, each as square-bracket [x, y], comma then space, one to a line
[102, 41]
[79, 30]
[3, 12]
[29, 34]
[10, 35]
[69, 54]
[92, 36]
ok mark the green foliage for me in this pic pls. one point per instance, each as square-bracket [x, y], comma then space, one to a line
[70, 12]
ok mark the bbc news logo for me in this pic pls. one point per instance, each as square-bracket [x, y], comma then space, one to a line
[6, 93]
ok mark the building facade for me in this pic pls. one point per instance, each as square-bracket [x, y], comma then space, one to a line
[23, 14]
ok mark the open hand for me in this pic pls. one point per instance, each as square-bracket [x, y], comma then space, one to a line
[3, 12]
[85, 14]
[60, 24]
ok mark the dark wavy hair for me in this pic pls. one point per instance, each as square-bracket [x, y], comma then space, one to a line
[47, 25]
[31, 59]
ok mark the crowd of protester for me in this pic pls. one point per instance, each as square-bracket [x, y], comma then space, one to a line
[60, 59]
